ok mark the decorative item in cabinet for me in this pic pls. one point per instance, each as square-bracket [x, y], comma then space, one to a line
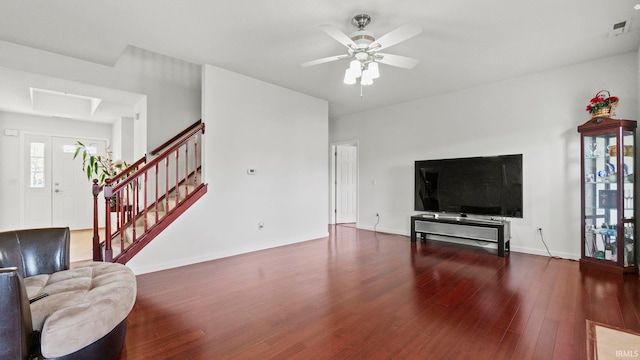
[608, 192]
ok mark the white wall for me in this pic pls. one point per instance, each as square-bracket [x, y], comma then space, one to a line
[127, 139]
[535, 115]
[140, 129]
[123, 137]
[116, 140]
[11, 155]
[281, 134]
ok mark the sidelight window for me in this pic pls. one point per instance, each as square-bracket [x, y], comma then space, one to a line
[36, 171]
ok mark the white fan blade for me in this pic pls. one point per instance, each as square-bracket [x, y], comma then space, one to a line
[398, 35]
[397, 60]
[324, 60]
[338, 35]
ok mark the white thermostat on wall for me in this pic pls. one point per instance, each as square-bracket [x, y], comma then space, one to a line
[251, 171]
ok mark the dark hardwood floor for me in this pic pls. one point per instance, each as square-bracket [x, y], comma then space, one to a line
[364, 295]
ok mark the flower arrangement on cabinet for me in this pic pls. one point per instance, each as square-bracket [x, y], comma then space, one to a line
[601, 102]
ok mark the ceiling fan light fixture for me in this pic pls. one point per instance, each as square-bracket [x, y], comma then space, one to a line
[375, 71]
[367, 77]
[349, 79]
[356, 68]
[363, 50]
[366, 82]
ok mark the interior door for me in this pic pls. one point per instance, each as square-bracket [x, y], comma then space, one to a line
[71, 197]
[346, 183]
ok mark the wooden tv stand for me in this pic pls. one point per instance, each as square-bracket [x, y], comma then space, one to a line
[497, 231]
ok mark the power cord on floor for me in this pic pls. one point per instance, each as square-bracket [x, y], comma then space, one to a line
[377, 222]
[545, 245]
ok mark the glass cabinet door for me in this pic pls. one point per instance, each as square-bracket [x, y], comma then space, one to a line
[601, 194]
[609, 180]
[628, 182]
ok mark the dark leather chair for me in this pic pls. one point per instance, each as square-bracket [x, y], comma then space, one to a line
[26, 253]
[16, 331]
[31, 252]
[35, 251]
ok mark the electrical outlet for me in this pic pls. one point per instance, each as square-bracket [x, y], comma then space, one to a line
[539, 231]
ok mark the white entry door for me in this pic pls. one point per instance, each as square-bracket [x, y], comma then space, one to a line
[72, 200]
[57, 192]
[346, 183]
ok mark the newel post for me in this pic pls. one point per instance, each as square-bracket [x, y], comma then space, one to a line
[97, 253]
[108, 193]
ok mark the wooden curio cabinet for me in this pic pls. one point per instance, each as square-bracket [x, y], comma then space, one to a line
[608, 181]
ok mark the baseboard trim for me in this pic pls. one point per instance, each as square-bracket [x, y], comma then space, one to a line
[213, 256]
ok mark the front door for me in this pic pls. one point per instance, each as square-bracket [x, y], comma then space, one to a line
[58, 193]
[72, 200]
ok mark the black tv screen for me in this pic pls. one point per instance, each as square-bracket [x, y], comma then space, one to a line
[477, 185]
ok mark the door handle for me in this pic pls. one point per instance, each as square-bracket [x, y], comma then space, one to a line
[57, 190]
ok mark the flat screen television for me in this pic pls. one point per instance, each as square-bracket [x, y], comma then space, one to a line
[489, 186]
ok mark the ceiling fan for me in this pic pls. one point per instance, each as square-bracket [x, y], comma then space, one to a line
[364, 49]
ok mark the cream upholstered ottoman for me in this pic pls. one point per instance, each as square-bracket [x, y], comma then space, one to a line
[83, 305]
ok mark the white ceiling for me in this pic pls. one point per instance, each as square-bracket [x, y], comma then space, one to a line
[465, 43]
[16, 96]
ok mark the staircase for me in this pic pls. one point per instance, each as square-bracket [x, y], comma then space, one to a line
[148, 196]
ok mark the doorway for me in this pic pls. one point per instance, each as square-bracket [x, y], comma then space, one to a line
[345, 183]
[57, 191]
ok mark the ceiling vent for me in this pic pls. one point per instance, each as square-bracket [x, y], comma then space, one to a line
[619, 28]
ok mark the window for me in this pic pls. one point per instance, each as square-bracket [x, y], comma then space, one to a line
[36, 175]
[70, 149]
